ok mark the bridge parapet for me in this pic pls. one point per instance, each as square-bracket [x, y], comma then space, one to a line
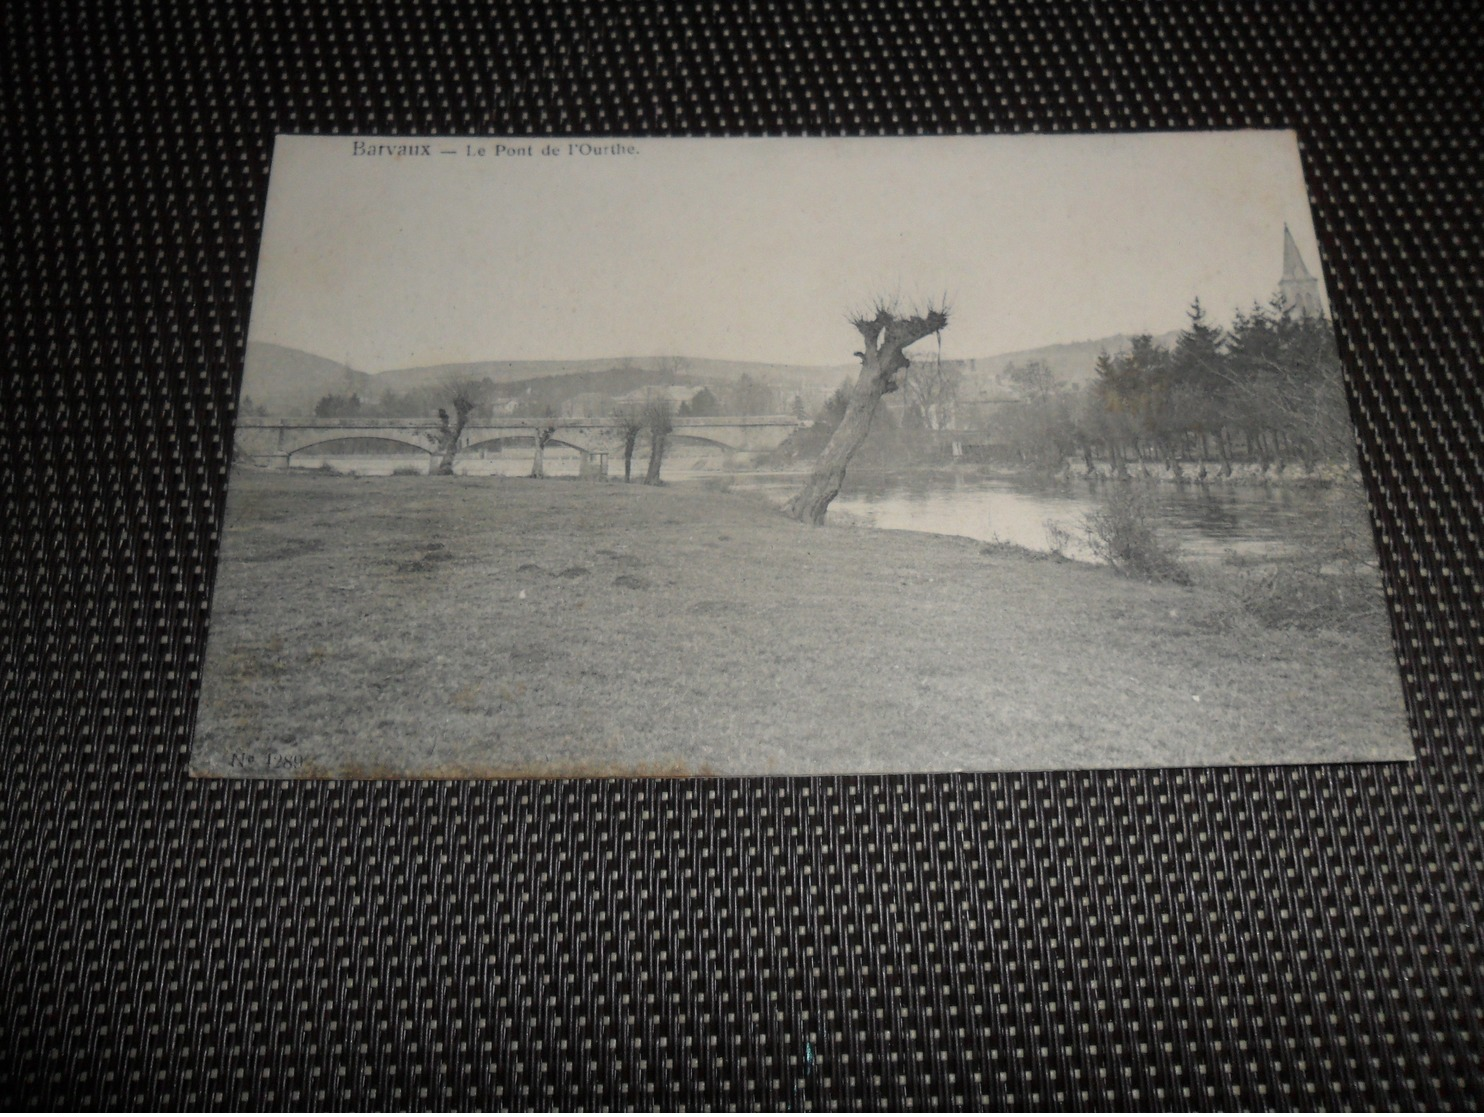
[280, 439]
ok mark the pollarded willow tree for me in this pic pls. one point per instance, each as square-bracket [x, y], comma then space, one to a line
[629, 421]
[463, 395]
[659, 420]
[884, 363]
[541, 435]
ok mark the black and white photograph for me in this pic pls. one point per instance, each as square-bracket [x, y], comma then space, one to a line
[749, 457]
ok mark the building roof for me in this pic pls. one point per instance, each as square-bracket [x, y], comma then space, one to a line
[1293, 263]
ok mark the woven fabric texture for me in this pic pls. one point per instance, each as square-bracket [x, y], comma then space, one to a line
[1300, 937]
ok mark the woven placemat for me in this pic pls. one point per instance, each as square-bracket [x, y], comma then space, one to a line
[1299, 937]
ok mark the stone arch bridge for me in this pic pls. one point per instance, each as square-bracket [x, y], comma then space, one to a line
[276, 441]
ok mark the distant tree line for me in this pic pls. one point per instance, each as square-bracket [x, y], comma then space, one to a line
[1268, 390]
[746, 396]
[412, 404]
[701, 405]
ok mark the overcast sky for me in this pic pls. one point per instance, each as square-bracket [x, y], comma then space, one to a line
[760, 249]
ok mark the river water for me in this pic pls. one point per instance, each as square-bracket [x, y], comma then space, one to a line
[1209, 522]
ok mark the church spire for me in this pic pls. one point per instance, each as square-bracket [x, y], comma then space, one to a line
[1293, 263]
[1297, 287]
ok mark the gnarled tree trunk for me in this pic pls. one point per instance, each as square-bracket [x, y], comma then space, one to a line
[882, 363]
[659, 418]
[657, 443]
[451, 433]
[630, 440]
[538, 464]
[629, 421]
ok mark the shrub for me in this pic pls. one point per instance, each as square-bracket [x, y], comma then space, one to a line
[1287, 595]
[1003, 548]
[1058, 538]
[1123, 532]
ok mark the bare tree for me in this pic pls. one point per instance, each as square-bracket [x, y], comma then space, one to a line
[886, 334]
[463, 396]
[659, 420]
[1034, 381]
[630, 422]
[932, 391]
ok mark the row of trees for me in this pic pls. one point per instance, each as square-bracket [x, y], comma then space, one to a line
[654, 418]
[1268, 390]
[745, 397]
[415, 403]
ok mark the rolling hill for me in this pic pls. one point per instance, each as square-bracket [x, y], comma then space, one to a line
[290, 381]
[1071, 362]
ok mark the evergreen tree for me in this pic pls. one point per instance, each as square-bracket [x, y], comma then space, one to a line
[1198, 387]
[703, 404]
[332, 406]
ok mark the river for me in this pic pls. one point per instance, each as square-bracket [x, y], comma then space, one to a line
[1208, 522]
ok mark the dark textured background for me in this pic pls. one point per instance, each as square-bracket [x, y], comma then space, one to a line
[1238, 938]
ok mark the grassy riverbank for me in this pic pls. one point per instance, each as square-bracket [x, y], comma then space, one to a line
[484, 626]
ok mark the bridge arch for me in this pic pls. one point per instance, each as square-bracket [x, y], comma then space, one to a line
[325, 446]
[681, 440]
[521, 441]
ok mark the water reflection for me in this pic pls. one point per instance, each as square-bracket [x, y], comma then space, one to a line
[558, 461]
[1208, 521]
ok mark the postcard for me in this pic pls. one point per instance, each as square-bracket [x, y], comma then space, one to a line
[747, 457]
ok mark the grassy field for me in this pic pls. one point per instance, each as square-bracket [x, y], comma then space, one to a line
[436, 626]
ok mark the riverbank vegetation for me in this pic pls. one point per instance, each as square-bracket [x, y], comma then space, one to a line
[482, 626]
[1267, 394]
